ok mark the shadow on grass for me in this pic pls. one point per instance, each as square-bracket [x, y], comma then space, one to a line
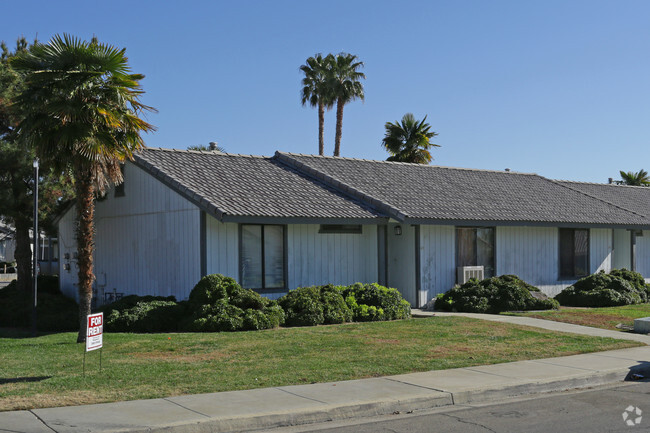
[23, 379]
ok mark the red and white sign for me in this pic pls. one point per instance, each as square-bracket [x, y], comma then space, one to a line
[94, 331]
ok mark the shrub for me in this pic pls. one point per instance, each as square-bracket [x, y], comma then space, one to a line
[211, 288]
[371, 302]
[55, 312]
[303, 307]
[602, 290]
[145, 316]
[218, 303]
[635, 279]
[315, 305]
[494, 295]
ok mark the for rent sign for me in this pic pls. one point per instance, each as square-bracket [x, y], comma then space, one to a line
[94, 332]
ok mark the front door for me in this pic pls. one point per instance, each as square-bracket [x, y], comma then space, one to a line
[400, 242]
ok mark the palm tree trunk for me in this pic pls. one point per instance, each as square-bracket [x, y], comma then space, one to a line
[339, 127]
[321, 129]
[23, 255]
[85, 192]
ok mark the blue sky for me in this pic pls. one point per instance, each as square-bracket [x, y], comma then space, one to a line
[559, 88]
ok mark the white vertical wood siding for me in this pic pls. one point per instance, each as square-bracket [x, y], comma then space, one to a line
[600, 250]
[437, 260]
[315, 258]
[147, 242]
[68, 245]
[643, 254]
[532, 253]
[622, 253]
[222, 248]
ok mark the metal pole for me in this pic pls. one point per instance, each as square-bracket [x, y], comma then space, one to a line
[35, 252]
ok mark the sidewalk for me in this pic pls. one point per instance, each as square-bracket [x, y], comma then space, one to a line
[304, 404]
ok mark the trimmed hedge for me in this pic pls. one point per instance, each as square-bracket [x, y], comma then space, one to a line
[218, 303]
[619, 287]
[494, 295]
[318, 305]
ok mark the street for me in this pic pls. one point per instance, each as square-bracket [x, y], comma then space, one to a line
[599, 410]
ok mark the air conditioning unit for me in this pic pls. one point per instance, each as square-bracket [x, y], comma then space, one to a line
[464, 273]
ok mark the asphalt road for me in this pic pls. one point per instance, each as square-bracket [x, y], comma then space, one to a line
[599, 410]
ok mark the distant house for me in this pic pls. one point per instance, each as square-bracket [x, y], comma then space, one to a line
[281, 222]
[47, 251]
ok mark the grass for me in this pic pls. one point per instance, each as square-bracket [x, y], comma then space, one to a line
[47, 371]
[606, 318]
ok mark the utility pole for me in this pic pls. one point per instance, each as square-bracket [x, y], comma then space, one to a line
[35, 252]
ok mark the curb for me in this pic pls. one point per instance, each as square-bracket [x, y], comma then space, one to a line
[377, 408]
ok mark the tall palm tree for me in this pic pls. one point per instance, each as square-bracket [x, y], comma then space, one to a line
[345, 87]
[81, 107]
[638, 179]
[408, 141]
[316, 92]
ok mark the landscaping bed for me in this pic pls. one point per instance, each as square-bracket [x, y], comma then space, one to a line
[606, 317]
[47, 371]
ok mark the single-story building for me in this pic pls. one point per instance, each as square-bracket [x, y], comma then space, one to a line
[281, 222]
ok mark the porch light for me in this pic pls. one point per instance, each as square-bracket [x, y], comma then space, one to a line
[398, 230]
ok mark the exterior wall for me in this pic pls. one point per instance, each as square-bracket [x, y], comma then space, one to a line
[532, 253]
[601, 249]
[437, 260]
[7, 249]
[622, 252]
[643, 254]
[147, 242]
[401, 271]
[317, 258]
[222, 247]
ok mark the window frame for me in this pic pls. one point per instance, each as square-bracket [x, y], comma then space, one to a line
[494, 247]
[574, 275]
[263, 262]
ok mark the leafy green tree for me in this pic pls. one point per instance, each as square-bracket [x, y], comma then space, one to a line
[345, 86]
[409, 140]
[16, 173]
[82, 107]
[316, 90]
[639, 178]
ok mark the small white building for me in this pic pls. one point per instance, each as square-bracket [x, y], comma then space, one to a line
[281, 222]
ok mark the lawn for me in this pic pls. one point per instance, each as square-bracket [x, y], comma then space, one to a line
[606, 317]
[47, 371]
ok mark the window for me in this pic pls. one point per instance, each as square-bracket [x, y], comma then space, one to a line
[574, 253]
[262, 258]
[475, 247]
[340, 228]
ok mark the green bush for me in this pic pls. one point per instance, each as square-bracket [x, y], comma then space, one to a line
[636, 280]
[372, 302]
[603, 290]
[48, 284]
[493, 295]
[55, 312]
[303, 307]
[217, 303]
[146, 316]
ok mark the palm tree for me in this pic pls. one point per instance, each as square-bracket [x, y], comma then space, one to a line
[345, 87]
[81, 107]
[408, 141]
[316, 92]
[638, 179]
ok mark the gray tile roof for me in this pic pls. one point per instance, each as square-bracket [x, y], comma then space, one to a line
[423, 193]
[633, 198]
[241, 187]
